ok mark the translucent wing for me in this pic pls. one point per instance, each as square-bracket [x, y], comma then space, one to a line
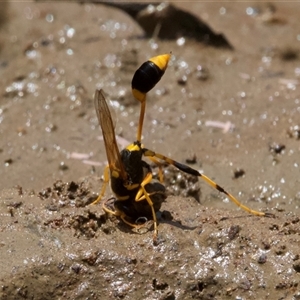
[105, 121]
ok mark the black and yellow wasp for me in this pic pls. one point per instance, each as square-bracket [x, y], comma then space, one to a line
[136, 195]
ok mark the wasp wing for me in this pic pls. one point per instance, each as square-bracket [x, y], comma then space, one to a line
[105, 121]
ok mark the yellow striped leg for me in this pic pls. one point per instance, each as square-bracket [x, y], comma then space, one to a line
[105, 183]
[188, 170]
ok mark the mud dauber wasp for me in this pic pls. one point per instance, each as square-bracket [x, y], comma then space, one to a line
[129, 175]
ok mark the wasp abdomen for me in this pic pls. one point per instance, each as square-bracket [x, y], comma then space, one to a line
[146, 77]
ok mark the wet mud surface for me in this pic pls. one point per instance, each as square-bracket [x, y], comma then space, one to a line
[231, 114]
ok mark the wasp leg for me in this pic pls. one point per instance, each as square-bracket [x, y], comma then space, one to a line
[188, 170]
[105, 182]
[150, 194]
[123, 215]
[120, 214]
[159, 165]
[143, 194]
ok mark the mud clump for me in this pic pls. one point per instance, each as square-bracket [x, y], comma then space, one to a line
[76, 252]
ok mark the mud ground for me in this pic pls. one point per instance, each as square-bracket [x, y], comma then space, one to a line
[54, 245]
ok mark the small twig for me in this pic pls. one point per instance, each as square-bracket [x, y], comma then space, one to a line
[226, 126]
